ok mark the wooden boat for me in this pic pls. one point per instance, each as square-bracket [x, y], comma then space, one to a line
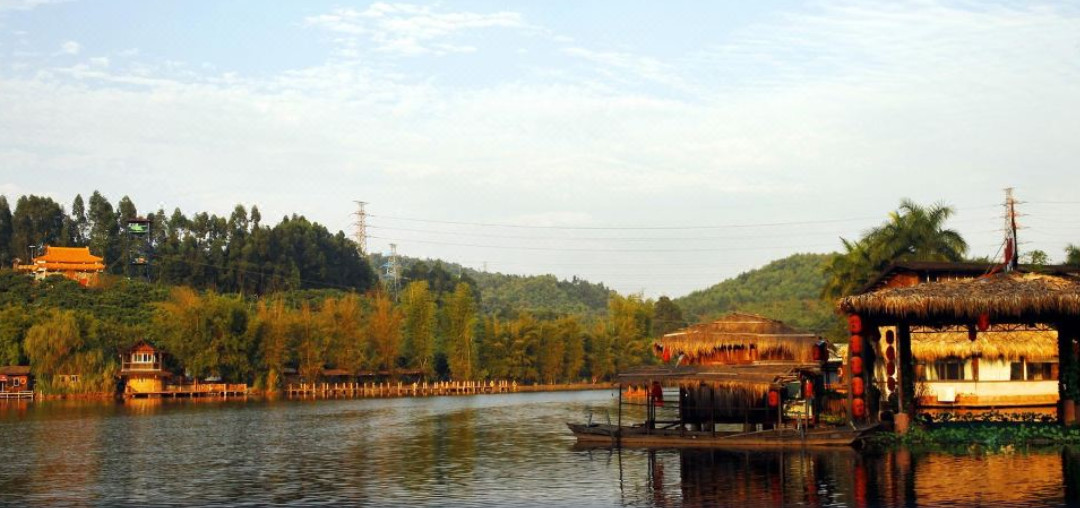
[641, 436]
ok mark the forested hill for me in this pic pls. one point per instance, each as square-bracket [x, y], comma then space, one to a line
[507, 295]
[787, 289]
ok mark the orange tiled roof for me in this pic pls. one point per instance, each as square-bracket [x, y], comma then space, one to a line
[68, 255]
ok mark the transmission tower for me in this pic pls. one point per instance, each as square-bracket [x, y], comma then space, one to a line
[1012, 246]
[361, 227]
[393, 269]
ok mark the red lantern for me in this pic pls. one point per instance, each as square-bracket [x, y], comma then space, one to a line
[890, 353]
[854, 323]
[808, 389]
[857, 387]
[889, 337]
[984, 322]
[667, 355]
[774, 398]
[856, 366]
[890, 369]
[858, 408]
[855, 345]
[657, 394]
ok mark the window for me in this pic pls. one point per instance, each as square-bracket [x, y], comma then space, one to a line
[142, 358]
[949, 370]
[1016, 371]
[1044, 371]
[1033, 371]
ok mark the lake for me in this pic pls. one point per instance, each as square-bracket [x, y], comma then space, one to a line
[491, 450]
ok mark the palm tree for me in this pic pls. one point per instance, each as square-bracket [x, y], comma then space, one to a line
[912, 233]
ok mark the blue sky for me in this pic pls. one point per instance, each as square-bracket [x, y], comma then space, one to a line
[728, 134]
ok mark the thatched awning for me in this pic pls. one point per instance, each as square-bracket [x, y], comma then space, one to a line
[749, 380]
[1010, 345]
[739, 330]
[1003, 296]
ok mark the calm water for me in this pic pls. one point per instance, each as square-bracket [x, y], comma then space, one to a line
[497, 450]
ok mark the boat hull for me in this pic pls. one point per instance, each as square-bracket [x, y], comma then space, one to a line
[611, 435]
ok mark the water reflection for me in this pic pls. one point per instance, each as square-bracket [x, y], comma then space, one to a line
[506, 450]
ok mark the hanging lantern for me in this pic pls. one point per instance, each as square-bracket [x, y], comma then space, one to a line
[891, 383]
[855, 344]
[984, 322]
[774, 398]
[858, 387]
[856, 366]
[657, 394]
[858, 408]
[889, 337]
[890, 353]
[890, 369]
[667, 355]
[854, 323]
[972, 334]
[808, 389]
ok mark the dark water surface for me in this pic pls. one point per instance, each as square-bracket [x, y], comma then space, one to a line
[495, 450]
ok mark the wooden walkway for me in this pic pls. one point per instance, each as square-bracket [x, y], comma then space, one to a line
[374, 390]
[17, 395]
[190, 391]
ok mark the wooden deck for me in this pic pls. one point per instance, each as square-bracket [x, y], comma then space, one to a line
[16, 395]
[376, 390]
[191, 391]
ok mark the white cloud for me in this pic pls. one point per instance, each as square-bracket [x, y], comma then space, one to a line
[835, 114]
[70, 48]
[407, 29]
[25, 5]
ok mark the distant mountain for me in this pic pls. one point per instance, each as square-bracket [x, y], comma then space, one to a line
[787, 289]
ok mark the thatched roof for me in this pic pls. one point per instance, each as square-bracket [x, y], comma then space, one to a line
[751, 381]
[1010, 345]
[739, 330]
[1007, 295]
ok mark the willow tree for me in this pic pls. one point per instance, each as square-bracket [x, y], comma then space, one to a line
[418, 333]
[384, 327]
[912, 233]
[460, 334]
[62, 343]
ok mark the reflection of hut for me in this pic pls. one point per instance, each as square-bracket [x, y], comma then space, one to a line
[75, 263]
[142, 369]
[1022, 320]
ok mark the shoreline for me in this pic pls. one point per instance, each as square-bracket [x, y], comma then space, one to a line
[372, 391]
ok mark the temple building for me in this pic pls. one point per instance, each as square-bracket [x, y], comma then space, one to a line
[75, 263]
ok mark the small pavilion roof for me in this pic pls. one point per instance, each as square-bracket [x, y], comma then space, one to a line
[738, 329]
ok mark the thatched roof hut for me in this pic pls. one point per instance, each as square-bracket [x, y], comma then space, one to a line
[741, 331]
[722, 392]
[1010, 296]
[930, 344]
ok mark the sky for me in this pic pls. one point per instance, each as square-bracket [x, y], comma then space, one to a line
[657, 147]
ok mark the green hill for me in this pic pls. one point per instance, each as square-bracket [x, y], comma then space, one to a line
[787, 289]
[507, 295]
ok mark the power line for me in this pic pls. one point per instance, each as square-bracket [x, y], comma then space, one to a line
[573, 249]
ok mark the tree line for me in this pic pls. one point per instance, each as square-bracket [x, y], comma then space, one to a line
[234, 254]
[62, 329]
